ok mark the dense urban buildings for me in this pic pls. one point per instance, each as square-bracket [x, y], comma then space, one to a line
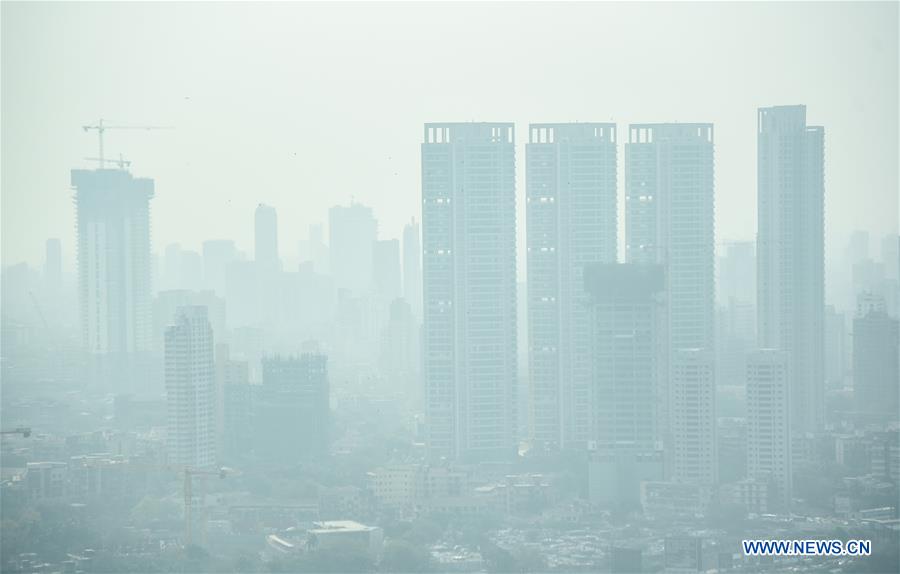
[190, 390]
[469, 276]
[790, 254]
[571, 202]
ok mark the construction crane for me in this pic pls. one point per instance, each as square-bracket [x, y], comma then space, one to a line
[101, 128]
[24, 431]
[121, 162]
[188, 473]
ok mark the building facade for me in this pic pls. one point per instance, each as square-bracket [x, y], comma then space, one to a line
[469, 273]
[571, 213]
[191, 389]
[669, 213]
[114, 268]
[791, 253]
[769, 423]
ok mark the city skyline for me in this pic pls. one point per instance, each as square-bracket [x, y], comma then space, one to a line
[186, 173]
[627, 295]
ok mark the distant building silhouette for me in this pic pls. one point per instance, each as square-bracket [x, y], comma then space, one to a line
[571, 211]
[412, 267]
[265, 243]
[469, 271]
[218, 254]
[235, 404]
[351, 231]
[291, 409]
[313, 250]
[386, 274]
[53, 267]
[876, 367]
[790, 252]
[191, 389]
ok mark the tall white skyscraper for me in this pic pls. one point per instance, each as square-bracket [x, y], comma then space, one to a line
[469, 261]
[351, 231]
[412, 267]
[113, 221]
[669, 214]
[191, 389]
[768, 422]
[571, 211]
[266, 236]
[791, 253]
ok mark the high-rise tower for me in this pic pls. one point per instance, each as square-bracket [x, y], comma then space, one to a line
[571, 211]
[469, 263]
[790, 254]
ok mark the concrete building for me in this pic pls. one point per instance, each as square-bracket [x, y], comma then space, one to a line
[351, 231]
[736, 310]
[669, 208]
[768, 424]
[47, 481]
[627, 344]
[399, 359]
[291, 410]
[790, 253]
[348, 536]
[234, 404]
[571, 213]
[876, 367]
[691, 447]
[265, 244]
[469, 261]
[412, 267]
[114, 267]
[669, 205]
[191, 389]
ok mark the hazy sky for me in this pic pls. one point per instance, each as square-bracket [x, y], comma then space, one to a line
[303, 106]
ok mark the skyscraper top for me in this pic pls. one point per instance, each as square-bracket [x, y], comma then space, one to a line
[648, 133]
[580, 132]
[784, 118]
[481, 132]
[110, 181]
